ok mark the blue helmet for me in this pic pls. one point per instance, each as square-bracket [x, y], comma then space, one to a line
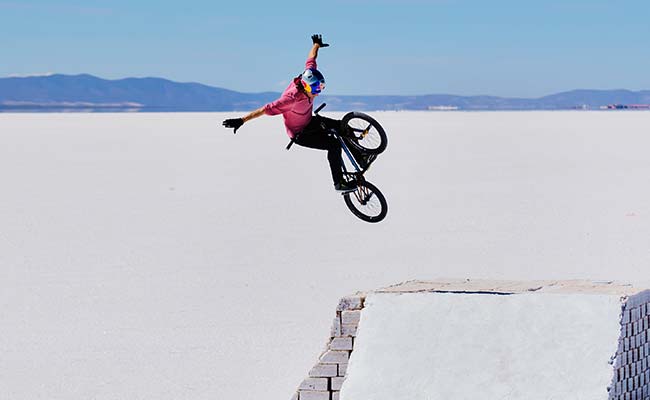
[313, 81]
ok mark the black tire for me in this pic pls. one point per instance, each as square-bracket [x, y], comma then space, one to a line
[367, 134]
[367, 202]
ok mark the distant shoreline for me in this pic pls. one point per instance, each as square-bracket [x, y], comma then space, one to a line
[158, 110]
[86, 93]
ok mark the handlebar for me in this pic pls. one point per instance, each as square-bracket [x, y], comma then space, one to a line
[320, 108]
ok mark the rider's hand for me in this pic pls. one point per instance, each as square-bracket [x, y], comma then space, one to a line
[318, 39]
[233, 123]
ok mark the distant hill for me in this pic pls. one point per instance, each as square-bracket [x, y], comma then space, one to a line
[89, 93]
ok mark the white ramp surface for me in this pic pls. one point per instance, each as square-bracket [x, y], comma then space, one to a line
[484, 346]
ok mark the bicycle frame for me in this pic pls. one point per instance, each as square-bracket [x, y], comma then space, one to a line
[347, 152]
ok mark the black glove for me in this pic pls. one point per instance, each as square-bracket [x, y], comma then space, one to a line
[318, 39]
[233, 123]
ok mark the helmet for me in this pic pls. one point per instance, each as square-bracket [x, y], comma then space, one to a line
[313, 81]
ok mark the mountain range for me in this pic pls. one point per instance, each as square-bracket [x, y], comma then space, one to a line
[85, 92]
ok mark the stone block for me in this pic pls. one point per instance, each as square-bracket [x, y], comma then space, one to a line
[341, 343]
[351, 317]
[349, 330]
[626, 317]
[334, 357]
[323, 371]
[350, 303]
[336, 327]
[335, 395]
[337, 383]
[312, 395]
[317, 384]
[343, 369]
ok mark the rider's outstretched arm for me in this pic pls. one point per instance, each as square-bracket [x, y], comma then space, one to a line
[279, 106]
[254, 114]
[318, 43]
[313, 53]
[238, 122]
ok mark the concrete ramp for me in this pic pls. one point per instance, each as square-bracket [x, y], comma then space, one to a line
[490, 340]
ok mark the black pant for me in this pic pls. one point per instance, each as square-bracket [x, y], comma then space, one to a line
[315, 136]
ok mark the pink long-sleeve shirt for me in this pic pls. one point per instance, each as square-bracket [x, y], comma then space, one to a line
[294, 105]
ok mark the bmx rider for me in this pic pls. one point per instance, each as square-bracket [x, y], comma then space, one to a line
[296, 106]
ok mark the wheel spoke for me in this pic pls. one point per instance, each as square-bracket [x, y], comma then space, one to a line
[365, 200]
[365, 133]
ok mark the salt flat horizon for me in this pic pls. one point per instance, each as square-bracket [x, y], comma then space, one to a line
[243, 112]
[157, 255]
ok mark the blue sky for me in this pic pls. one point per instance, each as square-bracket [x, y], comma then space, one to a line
[508, 48]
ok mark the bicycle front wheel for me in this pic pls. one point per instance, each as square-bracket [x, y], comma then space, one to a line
[367, 202]
[365, 132]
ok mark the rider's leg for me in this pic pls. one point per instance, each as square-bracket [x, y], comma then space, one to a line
[335, 124]
[328, 122]
[315, 138]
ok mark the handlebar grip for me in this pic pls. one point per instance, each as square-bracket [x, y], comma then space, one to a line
[293, 140]
[320, 108]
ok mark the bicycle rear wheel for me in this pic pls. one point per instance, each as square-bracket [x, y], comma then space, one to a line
[367, 202]
[365, 132]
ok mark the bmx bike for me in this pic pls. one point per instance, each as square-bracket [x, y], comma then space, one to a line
[363, 134]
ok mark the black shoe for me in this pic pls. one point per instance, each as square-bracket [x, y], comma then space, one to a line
[345, 187]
